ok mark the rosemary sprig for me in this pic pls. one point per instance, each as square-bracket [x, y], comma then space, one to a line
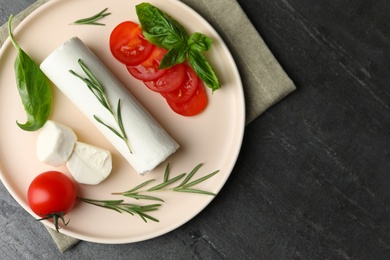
[184, 186]
[92, 19]
[121, 207]
[97, 89]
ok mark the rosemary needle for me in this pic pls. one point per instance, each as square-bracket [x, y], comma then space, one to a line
[92, 20]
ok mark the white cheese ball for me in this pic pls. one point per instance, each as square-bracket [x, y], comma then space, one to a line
[55, 143]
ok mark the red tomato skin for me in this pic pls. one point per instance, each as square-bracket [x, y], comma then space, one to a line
[128, 45]
[195, 105]
[148, 69]
[51, 192]
[186, 90]
[171, 80]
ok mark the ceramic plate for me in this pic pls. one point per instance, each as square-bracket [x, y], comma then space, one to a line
[213, 138]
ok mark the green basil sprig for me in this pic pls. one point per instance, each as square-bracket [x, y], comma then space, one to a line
[33, 87]
[162, 30]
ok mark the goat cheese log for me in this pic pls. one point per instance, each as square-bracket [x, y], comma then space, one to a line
[150, 143]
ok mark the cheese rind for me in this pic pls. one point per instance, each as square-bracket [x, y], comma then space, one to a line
[150, 143]
[55, 143]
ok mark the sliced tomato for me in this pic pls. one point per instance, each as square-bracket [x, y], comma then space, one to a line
[148, 69]
[186, 89]
[170, 81]
[128, 45]
[196, 104]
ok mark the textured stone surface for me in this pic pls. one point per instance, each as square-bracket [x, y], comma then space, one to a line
[312, 178]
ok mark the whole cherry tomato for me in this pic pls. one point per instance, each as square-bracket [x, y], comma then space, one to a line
[51, 195]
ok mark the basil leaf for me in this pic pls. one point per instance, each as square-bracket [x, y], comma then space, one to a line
[33, 87]
[203, 69]
[200, 42]
[159, 28]
[173, 57]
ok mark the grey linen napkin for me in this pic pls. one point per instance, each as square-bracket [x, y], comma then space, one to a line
[264, 80]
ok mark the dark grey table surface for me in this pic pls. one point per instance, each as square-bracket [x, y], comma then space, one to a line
[313, 176]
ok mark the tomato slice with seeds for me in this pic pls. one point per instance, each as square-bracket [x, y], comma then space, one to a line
[170, 81]
[148, 69]
[196, 104]
[187, 88]
[128, 45]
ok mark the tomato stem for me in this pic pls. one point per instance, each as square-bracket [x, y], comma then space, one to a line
[55, 217]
